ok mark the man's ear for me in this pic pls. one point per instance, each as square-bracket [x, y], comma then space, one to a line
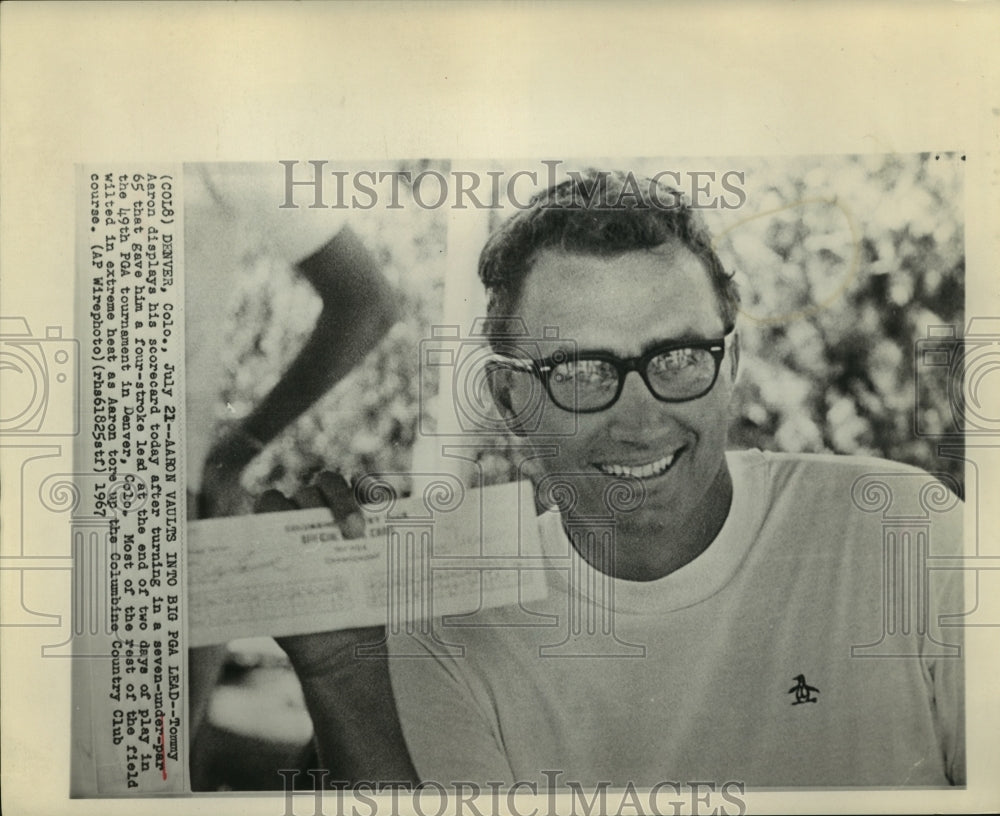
[499, 386]
[734, 356]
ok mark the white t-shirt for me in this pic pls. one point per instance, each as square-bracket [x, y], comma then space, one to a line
[804, 647]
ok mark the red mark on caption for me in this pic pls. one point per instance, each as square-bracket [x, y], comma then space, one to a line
[163, 748]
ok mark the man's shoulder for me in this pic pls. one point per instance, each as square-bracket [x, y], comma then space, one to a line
[827, 466]
[864, 484]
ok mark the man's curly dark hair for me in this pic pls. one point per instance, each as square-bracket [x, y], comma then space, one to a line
[601, 213]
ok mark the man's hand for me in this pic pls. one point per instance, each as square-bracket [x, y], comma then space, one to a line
[319, 654]
[349, 697]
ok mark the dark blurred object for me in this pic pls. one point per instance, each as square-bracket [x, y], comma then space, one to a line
[256, 723]
[359, 308]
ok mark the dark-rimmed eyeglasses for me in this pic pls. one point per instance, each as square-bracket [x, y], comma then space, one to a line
[591, 381]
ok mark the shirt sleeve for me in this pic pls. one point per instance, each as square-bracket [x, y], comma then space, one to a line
[949, 708]
[946, 672]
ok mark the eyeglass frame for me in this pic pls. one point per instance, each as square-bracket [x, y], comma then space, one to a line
[543, 368]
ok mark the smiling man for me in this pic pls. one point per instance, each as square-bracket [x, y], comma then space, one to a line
[712, 616]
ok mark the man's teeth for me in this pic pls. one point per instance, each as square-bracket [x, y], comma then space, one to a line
[641, 472]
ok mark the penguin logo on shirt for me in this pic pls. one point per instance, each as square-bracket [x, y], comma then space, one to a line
[803, 691]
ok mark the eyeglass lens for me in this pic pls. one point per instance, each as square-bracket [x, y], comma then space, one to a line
[587, 384]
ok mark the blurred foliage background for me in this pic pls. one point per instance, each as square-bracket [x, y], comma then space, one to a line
[844, 264]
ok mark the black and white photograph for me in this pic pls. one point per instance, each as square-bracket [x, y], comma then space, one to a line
[738, 544]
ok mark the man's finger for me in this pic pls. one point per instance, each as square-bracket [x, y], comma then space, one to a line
[310, 496]
[340, 499]
[273, 501]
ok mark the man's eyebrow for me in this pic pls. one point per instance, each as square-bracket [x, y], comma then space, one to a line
[691, 337]
[572, 350]
[682, 339]
[688, 336]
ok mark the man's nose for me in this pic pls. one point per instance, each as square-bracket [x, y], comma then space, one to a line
[636, 410]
